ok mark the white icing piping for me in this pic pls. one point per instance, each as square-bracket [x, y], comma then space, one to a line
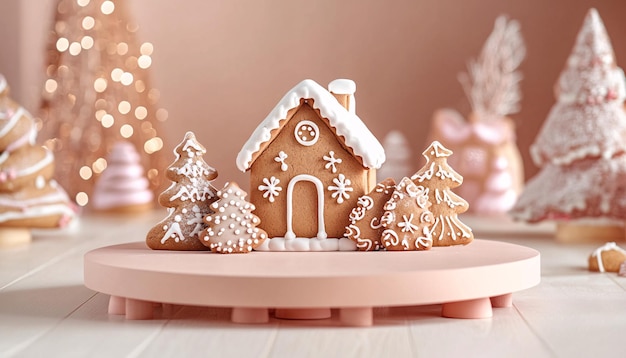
[307, 244]
[22, 204]
[345, 87]
[12, 122]
[37, 167]
[4, 156]
[38, 211]
[26, 138]
[606, 247]
[346, 124]
[321, 228]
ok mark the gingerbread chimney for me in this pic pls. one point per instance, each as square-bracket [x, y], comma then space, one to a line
[343, 90]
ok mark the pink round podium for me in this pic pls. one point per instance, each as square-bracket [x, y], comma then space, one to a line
[467, 280]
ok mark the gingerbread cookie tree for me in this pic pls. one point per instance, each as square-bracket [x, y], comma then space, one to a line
[484, 143]
[407, 219]
[187, 199]
[581, 146]
[233, 227]
[439, 178]
[365, 227]
[29, 197]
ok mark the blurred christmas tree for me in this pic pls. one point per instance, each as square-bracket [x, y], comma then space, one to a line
[98, 93]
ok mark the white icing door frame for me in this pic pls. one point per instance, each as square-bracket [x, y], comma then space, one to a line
[321, 228]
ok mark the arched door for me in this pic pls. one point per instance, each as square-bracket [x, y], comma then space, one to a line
[321, 228]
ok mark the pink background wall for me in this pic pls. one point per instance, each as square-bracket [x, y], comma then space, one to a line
[222, 65]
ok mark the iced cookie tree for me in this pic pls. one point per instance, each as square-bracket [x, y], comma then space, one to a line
[232, 228]
[581, 147]
[187, 199]
[439, 178]
[29, 196]
[407, 220]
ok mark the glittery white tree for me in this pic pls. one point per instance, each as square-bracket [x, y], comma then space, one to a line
[439, 178]
[187, 199]
[581, 146]
[97, 93]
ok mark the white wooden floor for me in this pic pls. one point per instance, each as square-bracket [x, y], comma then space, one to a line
[46, 311]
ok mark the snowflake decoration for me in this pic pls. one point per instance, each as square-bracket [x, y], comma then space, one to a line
[341, 188]
[271, 188]
[407, 224]
[332, 161]
[281, 159]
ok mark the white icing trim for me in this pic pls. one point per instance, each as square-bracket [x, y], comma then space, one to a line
[12, 121]
[24, 204]
[321, 228]
[606, 247]
[347, 125]
[314, 128]
[49, 158]
[331, 161]
[38, 211]
[341, 188]
[270, 188]
[342, 86]
[437, 150]
[307, 244]
[280, 158]
[345, 87]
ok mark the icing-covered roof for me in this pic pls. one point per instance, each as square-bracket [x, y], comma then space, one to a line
[348, 125]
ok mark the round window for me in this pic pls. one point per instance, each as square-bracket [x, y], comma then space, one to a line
[307, 133]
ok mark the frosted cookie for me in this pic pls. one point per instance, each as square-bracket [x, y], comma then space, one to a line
[607, 258]
[365, 226]
[407, 220]
[233, 226]
[29, 196]
[122, 186]
[438, 178]
[187, 199]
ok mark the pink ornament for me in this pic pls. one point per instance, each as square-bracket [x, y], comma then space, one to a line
[611, 94]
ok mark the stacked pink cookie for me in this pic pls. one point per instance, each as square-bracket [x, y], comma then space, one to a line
[122, 186]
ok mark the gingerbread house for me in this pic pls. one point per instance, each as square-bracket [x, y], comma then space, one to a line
[309, 161]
